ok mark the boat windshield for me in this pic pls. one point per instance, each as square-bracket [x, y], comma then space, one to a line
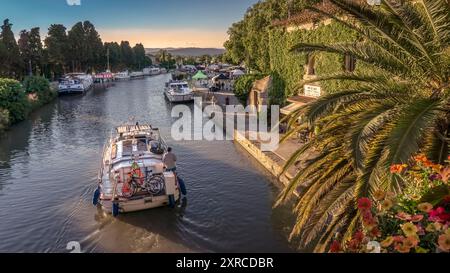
[136, 145]
[179, 87]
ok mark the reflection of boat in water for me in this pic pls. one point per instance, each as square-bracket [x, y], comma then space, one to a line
[178, 91]
[132, 176]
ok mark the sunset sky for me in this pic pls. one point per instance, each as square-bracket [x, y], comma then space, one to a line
[155, 23]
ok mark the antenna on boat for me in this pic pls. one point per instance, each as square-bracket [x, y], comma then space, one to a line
[107, 58]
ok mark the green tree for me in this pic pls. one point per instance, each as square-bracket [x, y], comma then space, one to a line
[56, 44]
[10, 63]
[77, 49]
[140, 60]
[115, 58]
[94, 47]
[127, 54]
[86, 52]
[166, 59]
[30, 46]
[399, 110]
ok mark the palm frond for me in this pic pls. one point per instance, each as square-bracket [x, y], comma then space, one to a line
[438, 14]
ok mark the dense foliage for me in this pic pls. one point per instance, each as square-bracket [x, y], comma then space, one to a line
[248, 41]
[399, 109]
[40, 87]
[18, 100]
[243, 85]
[79, 49]
[14, 100]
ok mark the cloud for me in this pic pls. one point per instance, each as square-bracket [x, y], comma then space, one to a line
[73, 2]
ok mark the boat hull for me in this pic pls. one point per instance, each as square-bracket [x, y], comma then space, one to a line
[68, 91]
[123, 79]
[179, 98]
[141, 204]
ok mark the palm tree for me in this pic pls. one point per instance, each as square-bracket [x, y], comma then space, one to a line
[399, 110]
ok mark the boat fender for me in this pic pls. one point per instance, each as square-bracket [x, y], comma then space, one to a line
[182, 186]
[172, 201]
[115, 209]
[96, 197]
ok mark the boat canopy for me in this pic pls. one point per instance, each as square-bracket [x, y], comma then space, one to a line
[200, 76]
[133, 128]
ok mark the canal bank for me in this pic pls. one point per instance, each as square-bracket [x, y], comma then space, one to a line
[274, 161]
[48, 171]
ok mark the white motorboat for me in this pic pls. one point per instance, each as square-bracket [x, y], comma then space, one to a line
[137, 74]
[155, 71]
[132, 175]
[151, 71]
[178, 91]
[75, 83]
[122, 76]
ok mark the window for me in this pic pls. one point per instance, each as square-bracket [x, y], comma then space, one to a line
[349, 63]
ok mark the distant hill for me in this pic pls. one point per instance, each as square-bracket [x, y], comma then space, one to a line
[189, 51]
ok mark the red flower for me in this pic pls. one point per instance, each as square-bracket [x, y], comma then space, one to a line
[439, 215]
[353, 245]
[364, 204]
[359, 236]
[375, 232]
[335, 247]
[447, 199]
[370, 223]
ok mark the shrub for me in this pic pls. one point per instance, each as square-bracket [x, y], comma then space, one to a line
[13, 98]
[41, 87]
[243, 86]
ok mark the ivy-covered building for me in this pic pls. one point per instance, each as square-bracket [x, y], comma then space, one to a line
[289, 68]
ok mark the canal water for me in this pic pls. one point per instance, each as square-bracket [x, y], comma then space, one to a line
[48, 172]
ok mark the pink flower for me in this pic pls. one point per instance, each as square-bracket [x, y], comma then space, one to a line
[403, 216]
[417, 218]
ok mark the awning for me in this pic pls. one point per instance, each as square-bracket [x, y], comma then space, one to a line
[200, 76]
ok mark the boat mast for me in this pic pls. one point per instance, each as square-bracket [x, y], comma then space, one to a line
[107, 58]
